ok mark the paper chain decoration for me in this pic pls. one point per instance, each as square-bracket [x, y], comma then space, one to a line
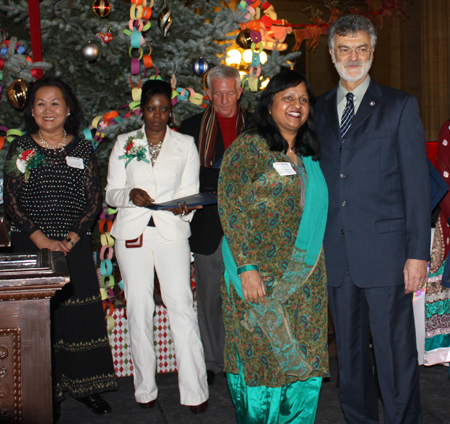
[260, 40]
[10, 134]
[106, 267]
[139, 22]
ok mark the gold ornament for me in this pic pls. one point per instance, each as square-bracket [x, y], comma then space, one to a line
[165, 18]
[101, 8]
[17, 94]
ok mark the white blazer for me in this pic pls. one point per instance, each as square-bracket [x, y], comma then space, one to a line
[175, 174]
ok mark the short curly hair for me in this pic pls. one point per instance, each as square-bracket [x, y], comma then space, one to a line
[350, 25]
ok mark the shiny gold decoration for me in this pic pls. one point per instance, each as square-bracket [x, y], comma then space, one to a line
[101, 8]
[17, 94]
[165, 19]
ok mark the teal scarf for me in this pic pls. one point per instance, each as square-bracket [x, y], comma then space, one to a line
[272, 317]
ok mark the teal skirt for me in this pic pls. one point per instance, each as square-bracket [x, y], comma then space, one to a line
[293, 403]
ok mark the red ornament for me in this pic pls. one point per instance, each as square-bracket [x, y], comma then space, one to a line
[106, 37]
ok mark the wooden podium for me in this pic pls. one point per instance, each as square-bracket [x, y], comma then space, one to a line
[27, 282]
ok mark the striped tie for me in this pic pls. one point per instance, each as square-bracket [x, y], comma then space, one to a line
[347, 116]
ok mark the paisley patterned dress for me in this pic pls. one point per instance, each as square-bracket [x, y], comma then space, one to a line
[260, 212]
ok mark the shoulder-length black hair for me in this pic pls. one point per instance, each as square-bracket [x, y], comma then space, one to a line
[153, 87]
[261, 122]
[72, 123]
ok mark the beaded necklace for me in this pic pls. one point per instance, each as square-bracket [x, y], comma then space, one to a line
[60, 145]
[154, 150]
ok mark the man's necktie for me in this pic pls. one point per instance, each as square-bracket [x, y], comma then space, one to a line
[347, 116]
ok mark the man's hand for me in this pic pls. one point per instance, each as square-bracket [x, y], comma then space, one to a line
[253, 287]
[415, 272]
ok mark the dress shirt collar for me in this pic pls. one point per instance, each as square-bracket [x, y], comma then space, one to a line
[358, 94]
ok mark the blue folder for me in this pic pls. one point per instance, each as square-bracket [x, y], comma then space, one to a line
[200, 199]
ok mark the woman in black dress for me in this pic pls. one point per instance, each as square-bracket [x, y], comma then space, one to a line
[53, 197]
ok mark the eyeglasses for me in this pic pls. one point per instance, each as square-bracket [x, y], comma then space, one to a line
[345, 51]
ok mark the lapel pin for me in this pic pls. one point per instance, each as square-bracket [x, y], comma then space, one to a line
[372, 103]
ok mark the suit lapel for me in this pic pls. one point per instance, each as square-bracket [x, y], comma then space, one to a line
[166, 149]
[329, 108]
[369, 104]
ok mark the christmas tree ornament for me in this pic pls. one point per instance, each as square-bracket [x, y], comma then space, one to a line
[200, 67]
[90, 51]
[244, 39]
[165, 19]
[106, 37]
[101, 8]
[173, 82]
[17, 94]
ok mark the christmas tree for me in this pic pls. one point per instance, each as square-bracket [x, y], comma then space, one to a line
[199, 28]
[104, 84]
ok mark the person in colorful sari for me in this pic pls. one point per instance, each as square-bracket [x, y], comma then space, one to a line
[437, 299]
[273, 207]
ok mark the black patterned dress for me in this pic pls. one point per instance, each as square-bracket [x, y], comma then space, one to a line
[51, 196]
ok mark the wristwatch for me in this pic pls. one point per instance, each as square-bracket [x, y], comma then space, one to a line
[69, 240]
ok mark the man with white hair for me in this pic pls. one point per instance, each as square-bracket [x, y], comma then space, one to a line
[213, 130]
[373, 156]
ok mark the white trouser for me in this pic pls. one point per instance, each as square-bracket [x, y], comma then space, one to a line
[171, 259]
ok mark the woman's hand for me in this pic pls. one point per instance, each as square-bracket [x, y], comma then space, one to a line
[140, 197]
[253, 287]
[74, 238]
[184, 210]
[43, 242]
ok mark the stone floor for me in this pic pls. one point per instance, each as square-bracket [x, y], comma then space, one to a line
[435, 393]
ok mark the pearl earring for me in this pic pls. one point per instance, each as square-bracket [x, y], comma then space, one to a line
[68, 114]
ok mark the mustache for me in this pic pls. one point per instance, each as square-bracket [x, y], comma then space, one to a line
[354, 62]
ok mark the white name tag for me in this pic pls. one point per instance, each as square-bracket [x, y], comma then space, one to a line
[284, 168]
[75, 162]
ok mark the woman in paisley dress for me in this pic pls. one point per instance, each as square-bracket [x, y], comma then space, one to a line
[273, 205]
[53, 197]
[437, 298]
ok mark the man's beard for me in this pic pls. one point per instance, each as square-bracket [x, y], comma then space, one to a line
[364, 70]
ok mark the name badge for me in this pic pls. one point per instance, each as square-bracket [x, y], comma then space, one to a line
[284, 168]
[75, 162]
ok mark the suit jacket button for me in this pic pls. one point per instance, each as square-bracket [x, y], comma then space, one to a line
[342, 231]
[344, 203]
[343, 175]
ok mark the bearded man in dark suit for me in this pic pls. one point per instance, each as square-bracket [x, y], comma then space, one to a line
[213, 130]
[377, 238]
